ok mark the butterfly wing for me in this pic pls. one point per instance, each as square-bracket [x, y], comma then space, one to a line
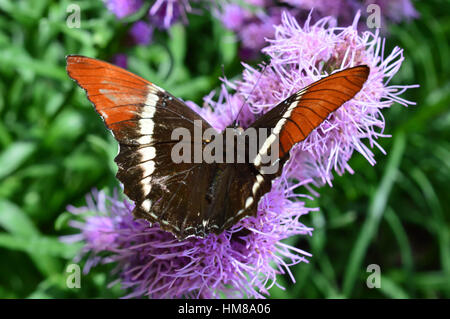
[293, 120]
[296, 117]
[142, 117]
[193, 199]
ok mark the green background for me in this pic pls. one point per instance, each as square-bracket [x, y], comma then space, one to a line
[54, 149]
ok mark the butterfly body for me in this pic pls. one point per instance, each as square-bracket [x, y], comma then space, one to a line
[197, 196]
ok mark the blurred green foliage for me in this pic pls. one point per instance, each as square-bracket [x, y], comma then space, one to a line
[54, 149]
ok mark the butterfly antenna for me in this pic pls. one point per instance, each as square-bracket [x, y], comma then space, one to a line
[235, 122]
[228, 100]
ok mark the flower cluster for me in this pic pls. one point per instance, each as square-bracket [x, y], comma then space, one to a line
[301, 55]
[241, 262]
[245, 260]
[252, 23]
[162, 14]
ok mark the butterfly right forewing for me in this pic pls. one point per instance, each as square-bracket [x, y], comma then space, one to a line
[296, 117]
[291, 122]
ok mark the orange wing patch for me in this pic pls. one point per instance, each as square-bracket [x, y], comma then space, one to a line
[316, 102]
[117, 95]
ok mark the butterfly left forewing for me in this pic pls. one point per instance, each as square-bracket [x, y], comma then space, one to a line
[142, 117]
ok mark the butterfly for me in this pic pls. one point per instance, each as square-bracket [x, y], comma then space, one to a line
[192, 199]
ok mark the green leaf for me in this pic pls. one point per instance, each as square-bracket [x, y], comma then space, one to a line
[14, 156]
[402, 239]
[15, 221]
[177, 43]
[39, 246]
[391, 289]
[376, 209]
[17, 58]
[62, 220]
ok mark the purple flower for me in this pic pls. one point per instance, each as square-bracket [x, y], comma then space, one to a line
[164, 13]
[120, 60]
[251, 27]
[245, 260]
[123, 8]
[253, 34]
[300, 56]
[141, 33]
[99, 231]
[395, 10]
[151, 262]
[343, 12]
[233, 16]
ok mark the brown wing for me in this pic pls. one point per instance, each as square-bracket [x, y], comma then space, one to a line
[142, 117]
[295, 118]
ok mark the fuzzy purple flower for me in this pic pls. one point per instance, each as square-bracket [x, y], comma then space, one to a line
[233, 16]
[244, 261]
[151, 262]
[300, 56]
[164, 13]
[141, 33]
[121, 60]
[343, 11]
[252, 29]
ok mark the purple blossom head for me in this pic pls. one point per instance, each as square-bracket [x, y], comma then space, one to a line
[141, 33]
[164, 13]
[253, 35]
[241, 262]
[300, 56]
[233, 16]
[254, 32]
[244, 261]
[269, 13]
[123, 8]
[100, 232]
